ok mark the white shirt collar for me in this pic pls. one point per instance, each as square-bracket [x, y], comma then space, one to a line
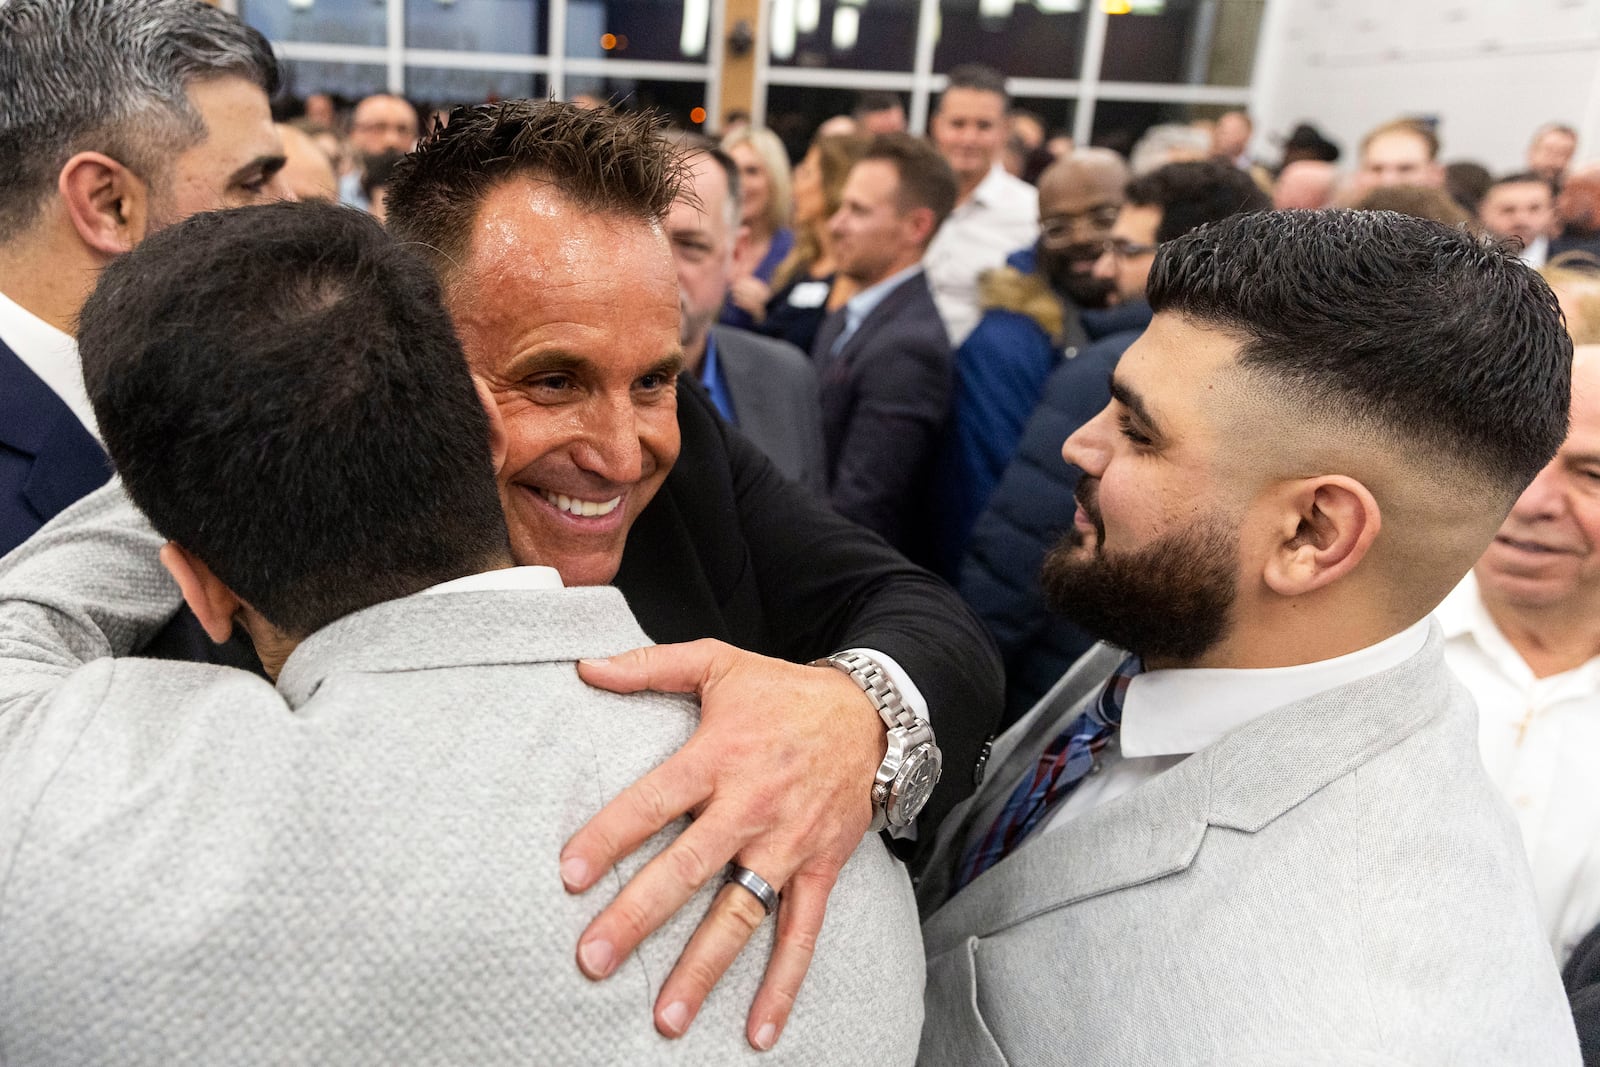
[1178, 712]
[50, 354]
[508, 578]
[861, 305]
[985, 191]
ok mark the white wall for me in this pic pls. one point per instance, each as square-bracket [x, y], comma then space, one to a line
[1490, 70]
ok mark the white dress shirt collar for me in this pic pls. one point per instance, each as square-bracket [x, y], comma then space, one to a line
[992, 188]
[50, 354]
[1178, 712]
[507, 578]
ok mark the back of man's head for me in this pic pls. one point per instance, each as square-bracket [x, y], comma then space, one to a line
[602, 161]
[926, 180]
[108, 76]
[284, 397]
[1395, 328]
[1191, 194]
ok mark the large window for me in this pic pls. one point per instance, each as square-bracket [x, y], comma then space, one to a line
[1099, 68]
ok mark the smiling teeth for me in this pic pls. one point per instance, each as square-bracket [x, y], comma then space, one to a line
[587, 508]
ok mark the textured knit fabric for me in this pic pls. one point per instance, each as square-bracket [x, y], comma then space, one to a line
[359, 866]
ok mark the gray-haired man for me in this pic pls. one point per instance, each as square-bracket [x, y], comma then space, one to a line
[120, 117]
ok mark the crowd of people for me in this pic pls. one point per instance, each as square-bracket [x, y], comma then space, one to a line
[532, 586]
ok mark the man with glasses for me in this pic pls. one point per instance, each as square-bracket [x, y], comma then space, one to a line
[381, 124]
[121, 117]
[1043, 304]
[1033, 502]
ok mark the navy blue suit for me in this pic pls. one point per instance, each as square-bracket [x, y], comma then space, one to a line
[1030, 510]
[885, 402]
[47, 459]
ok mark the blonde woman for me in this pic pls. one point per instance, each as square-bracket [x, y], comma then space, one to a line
[765, 206]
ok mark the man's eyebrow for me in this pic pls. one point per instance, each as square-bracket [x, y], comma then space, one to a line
[261, 166]
[670, 366]
[1131, 400]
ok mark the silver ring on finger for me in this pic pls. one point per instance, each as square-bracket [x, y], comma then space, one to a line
[745, 878]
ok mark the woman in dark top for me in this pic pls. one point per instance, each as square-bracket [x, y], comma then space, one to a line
[805, 285]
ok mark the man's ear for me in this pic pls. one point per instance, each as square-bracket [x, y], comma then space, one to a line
[1326, 526]
[212, 602]
[108, 204]
[919, 224]
[499, 445]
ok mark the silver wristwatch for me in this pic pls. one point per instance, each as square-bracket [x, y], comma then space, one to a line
[910, 767]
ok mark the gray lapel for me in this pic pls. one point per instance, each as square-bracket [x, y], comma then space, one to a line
[755, 404]
[1242, 782]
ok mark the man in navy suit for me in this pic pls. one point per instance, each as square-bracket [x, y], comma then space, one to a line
[121, 117]
[884, 358]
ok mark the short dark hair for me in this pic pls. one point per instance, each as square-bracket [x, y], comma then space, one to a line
[926, 180]
[284, 396]
[874, 100]
[977, 76]
[1522, 177]
[1426, 333]
[112, 76]
[1192, 194]
[602, 160]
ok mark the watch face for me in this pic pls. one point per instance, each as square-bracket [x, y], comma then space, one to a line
[914, 784]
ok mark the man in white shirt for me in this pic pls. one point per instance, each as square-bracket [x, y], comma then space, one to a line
[1522, 632]
[1257, 829]
[995, 214]
[159, 109]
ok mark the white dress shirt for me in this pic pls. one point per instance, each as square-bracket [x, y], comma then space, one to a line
[50, 354]
[999, 218]
[1169, 715]
[1540, 740]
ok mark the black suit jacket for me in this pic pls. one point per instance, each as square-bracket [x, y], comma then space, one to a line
[731, 549]
[47, 459]
[885, 402]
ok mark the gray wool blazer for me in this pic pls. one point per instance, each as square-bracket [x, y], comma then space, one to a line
[1336, 882]
[774, 389]
[358, 866]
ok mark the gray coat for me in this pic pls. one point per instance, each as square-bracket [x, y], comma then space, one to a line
[774, 389]
[1335, 882]
[358, 866]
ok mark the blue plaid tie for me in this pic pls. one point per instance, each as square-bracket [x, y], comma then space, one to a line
[1063, 764]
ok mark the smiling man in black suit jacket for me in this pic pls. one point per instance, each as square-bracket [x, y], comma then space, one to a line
[884, 358]
[546, 226]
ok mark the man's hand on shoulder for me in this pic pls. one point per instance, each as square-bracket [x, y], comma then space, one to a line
[778, 776]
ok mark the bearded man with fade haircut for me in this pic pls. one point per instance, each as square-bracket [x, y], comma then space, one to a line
[1254, 826]
[120, 117]
[545, 223]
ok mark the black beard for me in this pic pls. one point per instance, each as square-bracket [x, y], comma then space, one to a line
[1170, 601]
[1080, 287]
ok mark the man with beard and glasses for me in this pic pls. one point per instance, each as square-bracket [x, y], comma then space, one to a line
[1254, 827]
[1032, 504]
[1043, 305]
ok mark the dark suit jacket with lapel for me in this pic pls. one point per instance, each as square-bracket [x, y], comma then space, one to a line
[774, 390]
[731, 549]
[885, 401]
[47, 459]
